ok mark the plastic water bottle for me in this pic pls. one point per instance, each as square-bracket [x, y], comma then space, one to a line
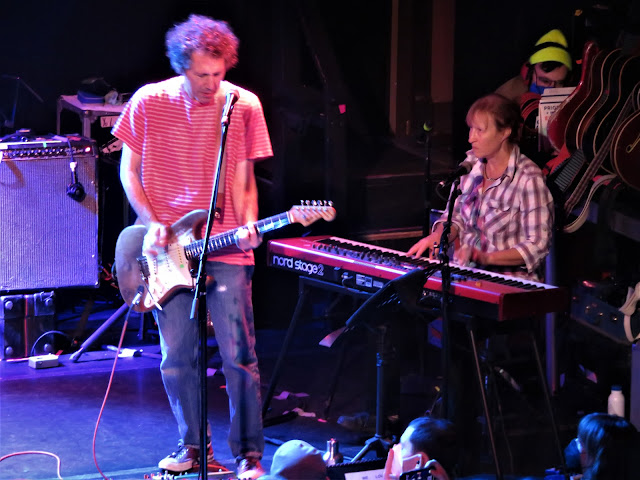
[616, 401]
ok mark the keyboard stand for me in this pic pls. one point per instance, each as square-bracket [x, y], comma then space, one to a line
[471, 329]
[304, 283]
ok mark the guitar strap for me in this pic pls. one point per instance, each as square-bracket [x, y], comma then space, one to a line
[628, 309]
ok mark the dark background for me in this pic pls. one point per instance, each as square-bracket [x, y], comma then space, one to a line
[53, 47]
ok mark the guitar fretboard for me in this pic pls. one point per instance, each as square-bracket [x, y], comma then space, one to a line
[226, 239]
[570, 170]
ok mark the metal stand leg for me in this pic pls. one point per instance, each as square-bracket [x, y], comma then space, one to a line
[98, 332]
[302, 294]
[336, 373]
[303, 284]
[377, 442]
[485, 404]
[547, 398]
[334, 381]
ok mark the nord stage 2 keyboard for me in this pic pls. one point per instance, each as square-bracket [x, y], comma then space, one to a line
[368, 268]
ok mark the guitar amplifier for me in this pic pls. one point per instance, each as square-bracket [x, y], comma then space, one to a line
[48, 231]
[594, 312]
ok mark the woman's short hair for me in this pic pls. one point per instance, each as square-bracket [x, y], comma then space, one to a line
[505, 113]
[201, 34]
[610, 444]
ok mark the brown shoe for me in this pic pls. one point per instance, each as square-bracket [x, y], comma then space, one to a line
[249, 468]
[185, 458]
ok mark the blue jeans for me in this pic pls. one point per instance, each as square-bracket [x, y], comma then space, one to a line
[229, 303]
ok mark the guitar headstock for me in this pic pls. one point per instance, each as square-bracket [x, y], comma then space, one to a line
[311, 210]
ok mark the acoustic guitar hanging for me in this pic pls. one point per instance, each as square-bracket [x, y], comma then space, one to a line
[625, 151]
[557, 126]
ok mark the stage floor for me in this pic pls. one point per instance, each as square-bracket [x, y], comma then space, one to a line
[55, 410]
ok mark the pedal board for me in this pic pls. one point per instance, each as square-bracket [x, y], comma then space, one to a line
[218, 472]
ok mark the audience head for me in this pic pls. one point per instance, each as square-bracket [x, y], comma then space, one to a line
[607, 445]
[550, 62]
[433, 438]
[297, 460]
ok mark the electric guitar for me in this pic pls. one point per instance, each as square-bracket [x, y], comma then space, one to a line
[620, 87]
[625, 151]
[557, 126]
[587, 98]
[593, 166]
[569, 166]
[161, 275]
[613, 61]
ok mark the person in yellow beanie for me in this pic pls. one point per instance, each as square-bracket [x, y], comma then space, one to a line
[548, 66]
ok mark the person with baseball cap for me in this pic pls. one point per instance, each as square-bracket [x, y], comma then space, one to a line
[297, 460]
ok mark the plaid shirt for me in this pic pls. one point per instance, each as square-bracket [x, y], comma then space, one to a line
[515, 211]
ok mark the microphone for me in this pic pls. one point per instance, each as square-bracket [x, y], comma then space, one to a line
[508, 378]
[463, 169]
[232, 97]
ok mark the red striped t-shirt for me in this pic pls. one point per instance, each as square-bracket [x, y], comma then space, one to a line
[179, 138]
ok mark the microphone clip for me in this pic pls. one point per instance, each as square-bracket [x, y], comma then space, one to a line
[232, 97]
[75, 190]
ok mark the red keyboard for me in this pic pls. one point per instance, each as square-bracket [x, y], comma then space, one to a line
[367, 267]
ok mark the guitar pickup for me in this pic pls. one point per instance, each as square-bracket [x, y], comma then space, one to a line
[144, 267]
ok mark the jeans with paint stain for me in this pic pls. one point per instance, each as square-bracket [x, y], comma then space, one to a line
[231, 311]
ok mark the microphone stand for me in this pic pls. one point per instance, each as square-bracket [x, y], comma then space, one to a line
[199, 304]
[446, 285]
[10, 122]
[427, 178]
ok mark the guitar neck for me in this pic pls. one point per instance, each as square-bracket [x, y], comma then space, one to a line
[597, 161]
[228, 238]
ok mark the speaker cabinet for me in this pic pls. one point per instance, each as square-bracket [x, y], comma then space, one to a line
[47, 239]
[25, 321]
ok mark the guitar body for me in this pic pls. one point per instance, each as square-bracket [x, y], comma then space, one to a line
[624, 86]
[557, 126]
[625, 151]
[168, 272]
[590, 96]
[584, 135]
[157, 277]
